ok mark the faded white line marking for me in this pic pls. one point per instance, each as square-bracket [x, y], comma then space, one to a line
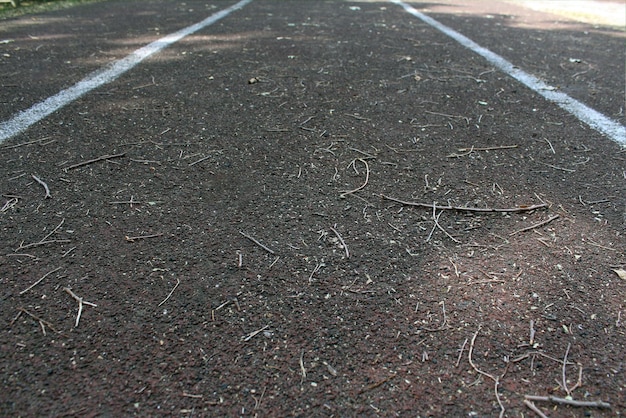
[593, 118]
[25, 119]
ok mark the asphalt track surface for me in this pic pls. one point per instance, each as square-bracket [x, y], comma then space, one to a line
[605, 124]
[92, 81]
[613, 129]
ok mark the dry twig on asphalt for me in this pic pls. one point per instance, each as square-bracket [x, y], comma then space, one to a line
[436, 225]
[468, 151]
[465, 208]
[269, 250]
[302, 369]
[9, 203]
[240, 259]
[42, 322]
[257, 402]
[367, 177]
[366, 154]
[80, 301]
[36, 244]
[203, 158]
[488, 148]
[534, 408]
[253, 334]
[528, 399]
[191, 395]
[67, 252]
[28, 143]
[132, 202]
[496, 379]
[200, 160]
[569, 170]
[39, 281]
[95, 160]
[377, 384]
[458, 361]
[133, 239]
[315, 270]
[43, 240]
[343, 243]
[170, 294]
[537, 225]
[53, 231]
[357, 117]
[571, 402]
[44, 185]
[564, 375]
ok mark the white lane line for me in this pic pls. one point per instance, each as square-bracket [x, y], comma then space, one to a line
[593, 118]
[25, 119]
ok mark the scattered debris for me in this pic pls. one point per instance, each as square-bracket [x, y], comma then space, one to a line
[81, 302]
[620, 273]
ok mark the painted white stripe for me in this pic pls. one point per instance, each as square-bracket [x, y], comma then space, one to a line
[593, 118]
[25, 119]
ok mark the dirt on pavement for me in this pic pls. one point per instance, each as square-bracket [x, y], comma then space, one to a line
[313, 208]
